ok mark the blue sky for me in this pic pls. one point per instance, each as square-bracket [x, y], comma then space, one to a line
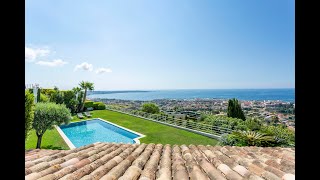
[160, 44]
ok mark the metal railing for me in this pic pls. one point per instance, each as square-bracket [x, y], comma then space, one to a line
[198, 127]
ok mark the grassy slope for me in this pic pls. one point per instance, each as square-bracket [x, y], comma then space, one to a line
[155, 132]
[50, 140]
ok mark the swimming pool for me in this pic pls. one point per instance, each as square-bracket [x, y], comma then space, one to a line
[96, 130]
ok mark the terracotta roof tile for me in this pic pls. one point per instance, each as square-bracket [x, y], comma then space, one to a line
[164, 171]
[256, 169]
[193, 168]
[161, 162]
[270, 176]
[179, 170]
[208, 167]
[134, 171]
[273, 163]
[275, 171]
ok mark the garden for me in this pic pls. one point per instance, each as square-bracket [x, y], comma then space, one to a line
[245, 131]
[57, 107]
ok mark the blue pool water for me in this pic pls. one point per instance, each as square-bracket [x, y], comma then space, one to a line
[88, 132]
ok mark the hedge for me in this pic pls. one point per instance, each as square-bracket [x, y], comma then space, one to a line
[88, 104]
[99, 106]
[29, 112]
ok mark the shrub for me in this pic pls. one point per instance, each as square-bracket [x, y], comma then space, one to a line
[69, 99]
[179, 121]
[88, 104]
[48, 114]
[253, 124]
[29, 112]
[72, 105]
[241, 127]
[170, 119]
[44, 98]
[95, 105]
[189, 124]
[283, 135]
[252, 138]
[227, 140]
[54, 95]
[47, 92]
[99, 106]
[224, 121]
[134, 112]
[203, 117]
[150, 108]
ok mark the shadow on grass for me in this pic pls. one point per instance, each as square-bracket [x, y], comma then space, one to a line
[76, 119]
[53, 147]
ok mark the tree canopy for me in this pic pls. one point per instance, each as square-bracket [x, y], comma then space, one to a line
[48, 114]
[150, 108]
[86, 86]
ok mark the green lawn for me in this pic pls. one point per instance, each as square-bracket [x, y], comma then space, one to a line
[155, 132]
[50, 140]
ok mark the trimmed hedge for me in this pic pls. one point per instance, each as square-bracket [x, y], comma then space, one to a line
[88, 104]
[48, 92]
[99, 106]
[43, 98]
[29, 112]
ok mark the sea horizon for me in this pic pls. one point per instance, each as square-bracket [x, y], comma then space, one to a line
[190, 89]
[282, 94]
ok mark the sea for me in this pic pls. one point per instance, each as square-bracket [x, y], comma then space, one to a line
[286, 95]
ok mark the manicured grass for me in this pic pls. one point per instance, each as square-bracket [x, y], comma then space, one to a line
[155, 132]
[50, 140]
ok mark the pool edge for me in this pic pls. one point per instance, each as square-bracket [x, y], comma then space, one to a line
[65, 138]
[135, 139]
[71, 146]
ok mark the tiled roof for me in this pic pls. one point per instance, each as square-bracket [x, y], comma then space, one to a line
[162, 162]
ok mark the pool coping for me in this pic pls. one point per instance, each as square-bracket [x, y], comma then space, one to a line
[71, 146]
[64, 137]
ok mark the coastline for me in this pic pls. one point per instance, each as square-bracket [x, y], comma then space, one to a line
[284, 95]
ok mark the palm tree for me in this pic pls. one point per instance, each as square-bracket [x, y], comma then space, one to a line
[86, 86]
[76, 90]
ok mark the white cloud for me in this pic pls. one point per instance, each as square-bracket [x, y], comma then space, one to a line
[103, 70]
[85, 66]
[32, 54]
[54, 63]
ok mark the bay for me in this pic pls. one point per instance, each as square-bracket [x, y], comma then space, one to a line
[287, 95]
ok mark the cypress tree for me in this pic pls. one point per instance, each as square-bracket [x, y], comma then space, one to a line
[38, 95]
[234, 109]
